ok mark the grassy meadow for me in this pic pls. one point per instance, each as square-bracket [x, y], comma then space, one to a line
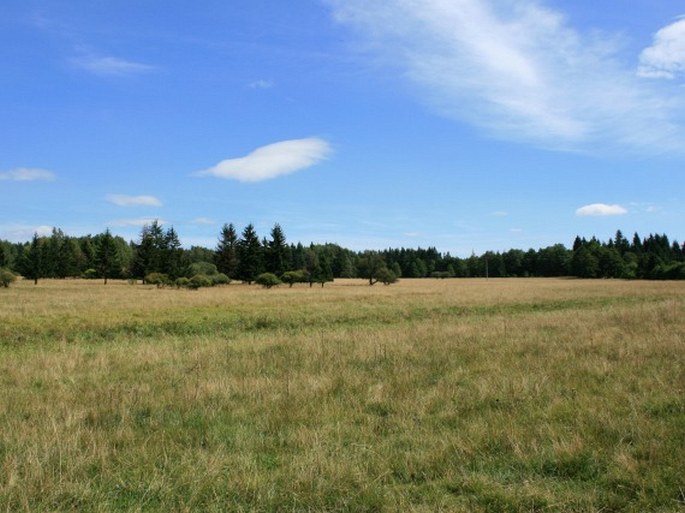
[515, 395]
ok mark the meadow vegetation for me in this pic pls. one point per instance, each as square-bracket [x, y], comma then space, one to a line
[470, 395]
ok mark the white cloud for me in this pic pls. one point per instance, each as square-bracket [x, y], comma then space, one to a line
[203, 220]
[601, 209]
[123, 200]
[520, 71]
[25, 174]
[23, 232]
[109, 66]
[272, 160]
[139, 221]
[666, 57]
[261, 84]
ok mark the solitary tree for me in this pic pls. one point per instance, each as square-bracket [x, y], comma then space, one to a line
[369, 265]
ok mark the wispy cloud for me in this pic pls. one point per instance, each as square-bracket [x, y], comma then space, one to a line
[123, 200]
[666, 57]
[261, 84]
[22, 232]
[26, 174]
[520, 71]
[139, 221]
[272, 160]
[203, 221]
[601, 209]
[109, 66]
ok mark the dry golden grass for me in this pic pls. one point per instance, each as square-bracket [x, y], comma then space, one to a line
[454, 395]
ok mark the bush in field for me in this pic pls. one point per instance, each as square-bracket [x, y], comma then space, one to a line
[386, 276]
[201, 268]
[181, 282]
[6, 277]
[90, 274]
[441, 274]
[199, 280]
[219, 279]
[159, 279]
[292, 277]
[268, 280]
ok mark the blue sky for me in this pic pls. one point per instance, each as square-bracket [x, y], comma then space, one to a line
[468, 125]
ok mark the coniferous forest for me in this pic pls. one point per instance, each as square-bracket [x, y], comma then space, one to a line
[158, 257]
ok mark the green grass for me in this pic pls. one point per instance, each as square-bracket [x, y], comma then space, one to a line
[450, 395]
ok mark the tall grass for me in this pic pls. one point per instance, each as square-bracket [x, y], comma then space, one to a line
[454, 395]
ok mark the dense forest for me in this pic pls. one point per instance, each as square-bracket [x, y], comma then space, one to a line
[244, 256]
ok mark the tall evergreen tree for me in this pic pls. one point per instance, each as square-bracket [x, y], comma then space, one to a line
[107, 257]
[31, 264]
[149, 252]
[249, 254]
[226, 255]
[172, 254]
[277, 252]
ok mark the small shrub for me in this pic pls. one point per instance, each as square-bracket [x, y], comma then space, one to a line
[199, 280]
[201, 268]
[181, 282]
[159, 279]
[219, 279]
[386, 276]
[292, 277]
[268, 280]
[441, 274]
[90, 274]
[6, 277]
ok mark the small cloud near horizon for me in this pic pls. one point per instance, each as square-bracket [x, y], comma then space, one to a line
[203, 221]
[27, 174]
[601, 209]
[272, 160]
[123, 200]
[140, 221]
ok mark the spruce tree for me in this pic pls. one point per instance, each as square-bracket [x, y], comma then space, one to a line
[277, 252]
[226, 255]
[107, 257]
[250, 255]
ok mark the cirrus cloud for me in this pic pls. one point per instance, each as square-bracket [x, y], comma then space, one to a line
[272, 160]
[124, 200]
[520, 71]
[27, 174]
[109, 66]
[601, 209]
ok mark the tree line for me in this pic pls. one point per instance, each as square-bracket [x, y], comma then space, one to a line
[246, 257]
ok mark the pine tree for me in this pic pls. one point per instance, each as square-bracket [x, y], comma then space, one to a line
[277, 252]
[31, 264]
[226, 255]
[250, 255]
[107, 257]
[172, 254]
